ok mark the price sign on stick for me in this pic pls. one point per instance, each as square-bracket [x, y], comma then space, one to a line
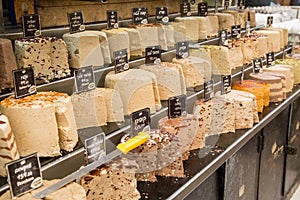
[185, 9]
[208, 90]
[76, 21]
[226, 84]
[31, 25]
[121, 61]
[177, 106]
[24, 82]
[95, 147]
[202, 9]
[112, 19]
[24, 175]
[84, 79]
[153, 55]
[257, 65]
[162, 15]
[140, 15]
[139, 121]
[182, 50]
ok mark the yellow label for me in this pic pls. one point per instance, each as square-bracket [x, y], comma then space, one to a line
[134, 142]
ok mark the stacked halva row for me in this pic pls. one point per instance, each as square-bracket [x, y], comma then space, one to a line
[52, 58]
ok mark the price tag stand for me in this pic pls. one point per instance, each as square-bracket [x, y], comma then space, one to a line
[177, 106]
[24, 175]
[76, 21]
[24, 82]
[139, 121]
[121, 61]
[209, 90]
[95, 147]
[31, 25]
[257, 65]
[140, 15]
[153, 55]
[182, 50]
[84, 79]
[226, 84]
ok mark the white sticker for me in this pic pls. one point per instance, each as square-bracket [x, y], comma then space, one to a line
[144, 21]
[165, 20]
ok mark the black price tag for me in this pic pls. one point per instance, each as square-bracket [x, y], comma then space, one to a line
[236, 32]
[162, 15]
[241, 4]
[270, 59]
[226, 84]
[31, 25]
[185, 9]
[139, 121]
[112, 19]
[24, 175]
[270, 21]
[182, 50]
[84, 79]
[202, 9]
[95, 148]
[140, 15]
[153, 55]
[24, 82]
[209, 90]
[223, 37]
[177, 106]
[121, 61]
[226, 4]
[257, 65]
[76, 21]
[216, 5]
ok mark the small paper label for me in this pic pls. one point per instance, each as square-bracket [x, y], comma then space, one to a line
[84, 79]
[95, 148]
[140, 15]
[270, 59]
[257, 65]
[24, 175]
[185, 9]
[182, 50]
[153, 54]
[209, 90]
[24, 82]
[31, 25]
[236, 32]
[226, 84]
[248, 28]
[162, 15]
[202, 9]
[177, 106]
[223, 37]
[139, 121]
[270, 21]
[112, 19]
[243, 74]
[121, 61]
[76, 21]
[226, 4]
